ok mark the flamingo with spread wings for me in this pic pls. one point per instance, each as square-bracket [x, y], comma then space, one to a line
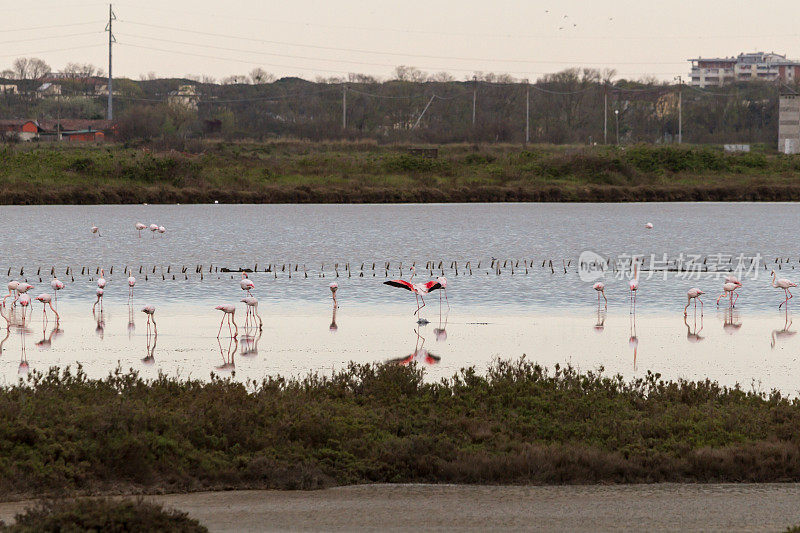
[419, 289]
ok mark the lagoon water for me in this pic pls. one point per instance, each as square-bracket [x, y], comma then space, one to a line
[546, 314]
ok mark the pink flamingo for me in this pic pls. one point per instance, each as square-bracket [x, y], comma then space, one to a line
[46, 300]
[419, 289]
[246, 284]
[23, 288]
[139, 227]
[634, 285]
[228, 311]
[729, 292]
[150, 311]
[96, 231]
[162, 230]
[334, 287]
[443, 282]
[99, 292]
[693, 294]
[24, 301]
[251, 310]
[12, 291]
[600, 287]
[785, 284]
[153, 229]
[131, 283]
[56, 285]
[101, 281]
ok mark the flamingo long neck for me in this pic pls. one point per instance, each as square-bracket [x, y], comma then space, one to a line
[773, 279]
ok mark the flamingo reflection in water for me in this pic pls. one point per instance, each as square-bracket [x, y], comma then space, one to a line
[228, 359]
[250, 339]
[600, 323]
[333, 328]
[150, 355]
[131, 321]
[420, 354]
[47, 339]
[100, 320]
[440, 333]
[731, 323]
[782, 334]
[693, 332]
[23, 361]
[633, 340]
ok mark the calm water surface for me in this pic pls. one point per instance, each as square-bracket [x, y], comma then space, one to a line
[549, 317]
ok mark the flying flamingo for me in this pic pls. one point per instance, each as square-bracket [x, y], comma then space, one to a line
[334, 287]
[785, 284]
[12, 291]
[101, 281]
[162, 230]
[139, 228]
[46, 300]
[729, 292]
[96, 231]
[150, 311]
[252, 310]
[694, 294]
[228, 311]
[246, 284]
[600, 287]
[56, 285]
[153, 229]
[99, 300]
[419, 289]
[131, 283]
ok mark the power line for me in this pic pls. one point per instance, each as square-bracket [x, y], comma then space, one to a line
[50, 37]
[52, 26]
[18, 54]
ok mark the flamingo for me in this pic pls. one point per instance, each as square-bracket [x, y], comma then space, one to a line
[600, 287]
[150, 311]
[252, 309]
[649, 225]
[162, 230]
[246, 284]
[419, 289]
[101, 281]
[153, 229]
[228, 311]
[99, 292]
[729, 292]
[96, 231]
[56, 285]
[443, 282]
[12, 291]
[46, 300]
[131, 283]
[334, 287]
[694, 294]
[785, 284]
[139, 227]
[733, 279]
[24, 301]
[23, 288]
[634, 284]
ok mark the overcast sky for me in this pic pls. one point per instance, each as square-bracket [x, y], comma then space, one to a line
[311, 38]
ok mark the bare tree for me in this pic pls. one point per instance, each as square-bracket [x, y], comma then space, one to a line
[258, 76]
[234, 79]
[442, 77]
[406, 73]
[21, 68]
[205, 78]
[38, 68]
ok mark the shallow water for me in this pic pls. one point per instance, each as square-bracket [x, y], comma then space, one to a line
[548, 315]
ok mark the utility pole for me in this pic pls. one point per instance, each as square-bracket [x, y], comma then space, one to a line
[605, 113]
[680, 109]
[344, 107]
[616, 114]
[527, 112]
[474, 97]
[111, 17]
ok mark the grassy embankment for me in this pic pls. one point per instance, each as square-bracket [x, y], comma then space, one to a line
[61, 433]
[295, 171]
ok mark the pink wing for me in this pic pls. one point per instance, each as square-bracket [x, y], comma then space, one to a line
[401, 284]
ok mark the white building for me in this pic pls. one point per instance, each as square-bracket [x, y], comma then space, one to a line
[717, 71]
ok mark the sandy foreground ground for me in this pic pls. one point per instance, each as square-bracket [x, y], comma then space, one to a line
[662, 507]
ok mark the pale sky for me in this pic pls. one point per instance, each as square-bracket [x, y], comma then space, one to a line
[311, 38]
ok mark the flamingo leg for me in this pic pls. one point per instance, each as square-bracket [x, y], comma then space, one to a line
[220, 326]
[604, 298]
[701, 306]
[721, 296]
[417, 297]
[229, 326]
[736, 297]
[786, 301]
[236, 333]
[155, 328]
[685, 309]
[423, 302]
[260, 323]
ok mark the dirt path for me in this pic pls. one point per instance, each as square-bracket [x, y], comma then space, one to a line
[664, 507]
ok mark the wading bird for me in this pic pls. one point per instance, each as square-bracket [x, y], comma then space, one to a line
[729, 292]
[162, 230]
[785, 284]
[56, 285]
[99, 293]
[131, 283]
[24, 301]
[247, 284]
[101, 281]
[150, 311]
[600, 287]
[634, 286]
[12, 291]
[694, 294]
[228, 311]
[419, 289]
[334, 287]
[153, 229]
[251, 310]
[139, 227]
[649, 225]
[96, 230]
[46, 300]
